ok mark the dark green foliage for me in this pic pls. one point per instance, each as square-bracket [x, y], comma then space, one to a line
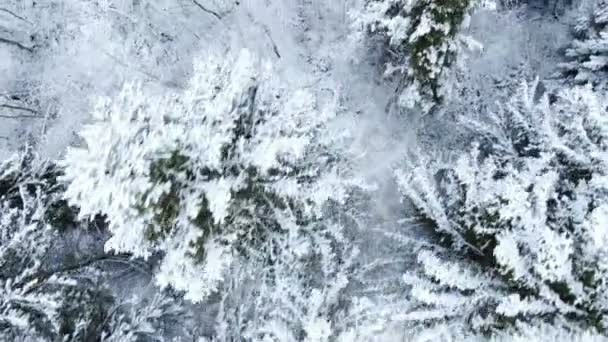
[203, 221]
[166, 209]
[252, 216]
[428, 47]
[167, 169]
[442, 12]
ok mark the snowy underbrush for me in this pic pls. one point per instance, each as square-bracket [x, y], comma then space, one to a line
[56, 283]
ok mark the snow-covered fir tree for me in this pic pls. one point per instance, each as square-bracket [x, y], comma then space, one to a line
[526, 207]
[421, 39]
[587, 57]
[207, 175]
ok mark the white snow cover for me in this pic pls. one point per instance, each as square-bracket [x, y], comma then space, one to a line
[252, 152]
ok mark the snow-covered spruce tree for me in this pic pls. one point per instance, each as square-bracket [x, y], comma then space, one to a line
[421, 38]
[206, 175]
[46, 292]
[526, 209]
[587, 56]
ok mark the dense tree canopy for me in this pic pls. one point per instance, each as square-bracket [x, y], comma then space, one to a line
[368, 170]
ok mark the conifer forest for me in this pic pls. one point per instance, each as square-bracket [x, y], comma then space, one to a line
[303, 170]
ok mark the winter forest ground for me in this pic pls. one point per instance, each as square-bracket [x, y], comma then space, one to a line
[313, 45]
[312, 38]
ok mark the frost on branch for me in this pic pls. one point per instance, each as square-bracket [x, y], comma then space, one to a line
[527, 205]
[206, 175]
[421, 38]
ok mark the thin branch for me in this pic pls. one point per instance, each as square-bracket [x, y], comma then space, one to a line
[19, 108]
[267, 32]
[206, 10]
[34, 115]
[24, 116]
[43, 276]
[15, 15]
[17, 44]
[274, 45]
[110, 314]
[129, 262]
